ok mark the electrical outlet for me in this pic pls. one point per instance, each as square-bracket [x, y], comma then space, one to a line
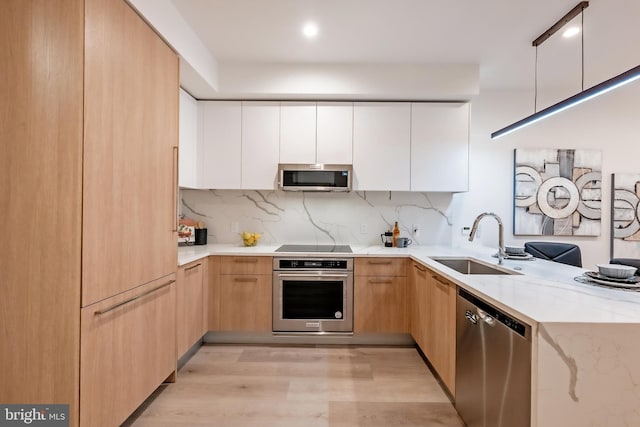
[364, 229]
[235, 228]
[466, 231]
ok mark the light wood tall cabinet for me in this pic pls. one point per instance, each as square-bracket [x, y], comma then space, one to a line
[41, 125]
[126, 343]
[89, 168]
[130, 153]
[380, 295]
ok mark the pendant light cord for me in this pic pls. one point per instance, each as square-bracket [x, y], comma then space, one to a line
[535, 84]
[582, 46]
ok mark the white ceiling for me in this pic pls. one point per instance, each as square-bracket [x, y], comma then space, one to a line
[496, 34]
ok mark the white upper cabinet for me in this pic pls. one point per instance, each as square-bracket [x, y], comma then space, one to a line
[393, 146]
[440, 147]
[188, 143]
[382, 146]
[316, 133]
[260, 138]
[221, 150]
[334, 136]
[298, 132]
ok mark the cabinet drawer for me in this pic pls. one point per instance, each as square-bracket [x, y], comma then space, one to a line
[127, 350]
[245, 302]
[380, 267]
[246, 265]
[380, 304]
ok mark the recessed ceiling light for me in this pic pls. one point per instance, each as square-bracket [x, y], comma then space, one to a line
[310, 30]
[570, 32]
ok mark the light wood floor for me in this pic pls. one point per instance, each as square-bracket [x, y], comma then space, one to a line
[238, 386]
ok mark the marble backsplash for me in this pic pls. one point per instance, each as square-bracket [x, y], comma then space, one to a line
[319, 218]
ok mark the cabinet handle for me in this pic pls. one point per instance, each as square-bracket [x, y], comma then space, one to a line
[192, 267]
[245, 279]
[312, 275]
[174, 171]
[438, 279]
[381, 281]
[417, 267]
[245, 260]
[137, 297]
[385, 262]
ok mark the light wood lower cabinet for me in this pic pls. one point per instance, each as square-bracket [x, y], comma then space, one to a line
[245, 294]
[128, 348]
[417, 297]
[190, 304]
[380, 295]
[441, 328]
[433, 320]
[212, 315]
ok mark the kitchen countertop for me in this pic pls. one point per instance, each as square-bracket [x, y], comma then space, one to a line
[544, 292]
[586, 339]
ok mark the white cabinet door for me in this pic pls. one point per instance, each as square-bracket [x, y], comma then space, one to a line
[334, 142]
[440, 147]
[298, 132]
[260, 139]
[188, 167]
[381, 146]
[221, 149]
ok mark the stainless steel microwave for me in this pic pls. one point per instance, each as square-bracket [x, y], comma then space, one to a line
[314, 177]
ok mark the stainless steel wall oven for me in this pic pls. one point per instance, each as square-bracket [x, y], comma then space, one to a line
[312, 295]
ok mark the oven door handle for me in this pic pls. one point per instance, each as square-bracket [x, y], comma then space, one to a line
[314, 275]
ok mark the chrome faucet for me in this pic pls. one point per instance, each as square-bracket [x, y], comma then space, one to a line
[474, 229]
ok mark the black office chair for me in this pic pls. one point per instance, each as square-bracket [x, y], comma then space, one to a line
[565, 253]
[633, 262]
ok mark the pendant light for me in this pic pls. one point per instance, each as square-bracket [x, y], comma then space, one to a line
[585, 95]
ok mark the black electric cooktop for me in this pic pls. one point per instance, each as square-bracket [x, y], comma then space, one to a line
[338, 249]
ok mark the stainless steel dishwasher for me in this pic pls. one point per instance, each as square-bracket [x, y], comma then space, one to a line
[493, 365]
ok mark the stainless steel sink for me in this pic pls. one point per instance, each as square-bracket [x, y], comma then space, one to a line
[471, 266]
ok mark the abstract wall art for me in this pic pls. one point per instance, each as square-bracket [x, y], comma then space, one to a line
[625, 215]
[557, 192]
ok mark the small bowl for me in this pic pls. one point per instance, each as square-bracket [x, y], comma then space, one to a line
[514, 250]
[250, 239]
[616, 271]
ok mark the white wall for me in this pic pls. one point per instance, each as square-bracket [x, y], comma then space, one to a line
[349, 81]
[198, 67]
[610, 123]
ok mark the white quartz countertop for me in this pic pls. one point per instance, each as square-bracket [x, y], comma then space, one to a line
[543, 292]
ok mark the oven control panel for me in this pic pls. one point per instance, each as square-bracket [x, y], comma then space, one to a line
[313, 264]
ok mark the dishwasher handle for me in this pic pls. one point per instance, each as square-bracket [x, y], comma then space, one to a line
[486, 318]
[491, 315]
